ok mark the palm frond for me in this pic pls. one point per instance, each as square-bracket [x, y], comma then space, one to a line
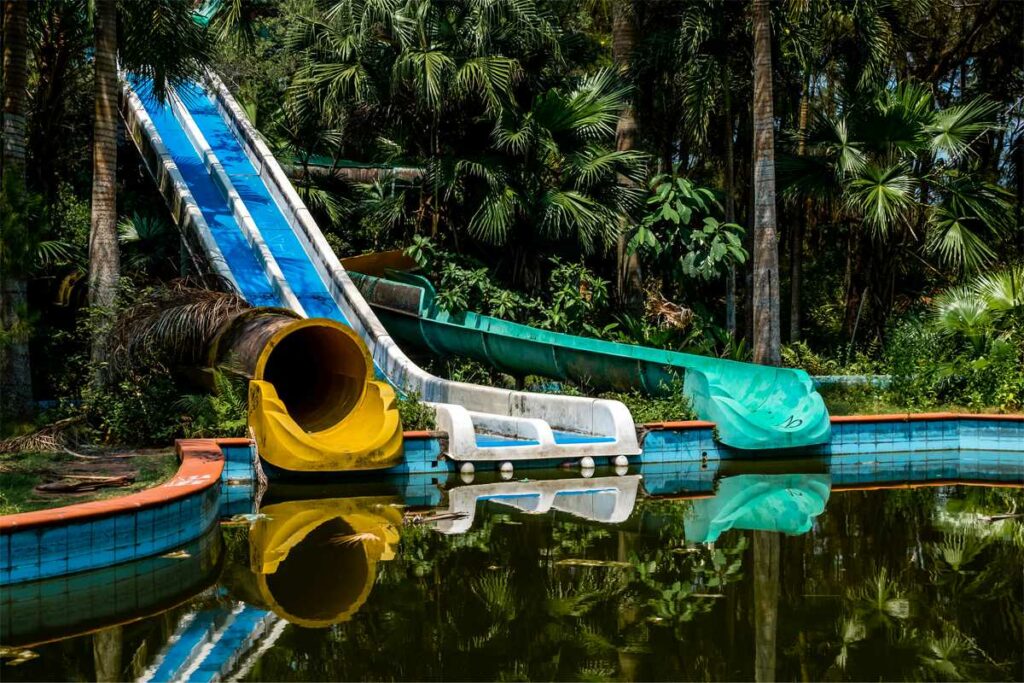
[962, 310]
[884, 196]
[953, 129]
[173, 324]
[951, 238]
[495, 217]
[1002, 290]
[490, 77]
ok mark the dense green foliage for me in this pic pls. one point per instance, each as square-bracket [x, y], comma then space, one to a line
[490, 140]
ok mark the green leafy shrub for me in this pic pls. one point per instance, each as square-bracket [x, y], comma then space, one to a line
[930, 368]
[674, 405]
[140, 409]
[222, 413]
[801, 355]
[578, 299]
[415, 414]
[681, 235]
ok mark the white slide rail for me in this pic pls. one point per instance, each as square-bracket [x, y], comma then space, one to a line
[597, 417]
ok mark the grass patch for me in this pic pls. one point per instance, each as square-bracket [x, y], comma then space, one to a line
[20, 473]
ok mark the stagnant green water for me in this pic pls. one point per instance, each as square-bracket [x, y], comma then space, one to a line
[350, 584]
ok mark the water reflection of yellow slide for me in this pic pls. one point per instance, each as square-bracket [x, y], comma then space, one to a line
[316, 560]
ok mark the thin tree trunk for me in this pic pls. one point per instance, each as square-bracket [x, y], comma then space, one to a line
[767, 341]
[104, 259]
[16, 377]
[796, 247]
[629, 280]
[15, 65]
[730, 198]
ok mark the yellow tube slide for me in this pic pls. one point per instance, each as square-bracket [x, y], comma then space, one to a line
[314, 402]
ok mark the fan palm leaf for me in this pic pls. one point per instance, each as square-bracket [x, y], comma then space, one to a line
[953, 129]
[883, 195]
[952, 239]
[962, 310]
[1002, 290]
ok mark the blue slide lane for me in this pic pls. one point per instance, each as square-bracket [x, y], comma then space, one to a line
[298, 270]
[240, 259]
[225, 653]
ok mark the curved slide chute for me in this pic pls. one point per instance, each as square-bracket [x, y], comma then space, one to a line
[753, 406]
[314, 402]
[244, 220]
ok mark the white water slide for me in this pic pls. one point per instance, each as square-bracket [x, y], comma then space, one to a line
[235, 204]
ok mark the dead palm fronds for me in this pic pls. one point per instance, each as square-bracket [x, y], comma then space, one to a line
[665, 313]
[51, 438]
[172, 325]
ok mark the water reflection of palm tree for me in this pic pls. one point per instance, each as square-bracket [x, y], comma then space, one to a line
[766, 603]
[107, 646]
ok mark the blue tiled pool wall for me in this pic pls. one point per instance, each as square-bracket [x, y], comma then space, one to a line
[422, 456]
[38, 611]
[851, 438]
[43, 552]
[238, 481]
[238, 463]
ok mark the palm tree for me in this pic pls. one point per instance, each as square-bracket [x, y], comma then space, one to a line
[898, 169]
[628, 273]
[552, 175]
[765, 299]
[15, 81]
[16, 377]
[159, 40]
[851, 44]
[108, 648]
[766, 602]
[104, 257]
[427, 73]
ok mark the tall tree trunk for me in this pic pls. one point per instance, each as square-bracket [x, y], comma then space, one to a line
[796, 247]
[767, 341]
[628, 277]
[16, 377]
[104, 259]
[730, 197]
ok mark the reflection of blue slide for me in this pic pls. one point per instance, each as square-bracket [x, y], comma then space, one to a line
[786, 503]
[210, 645]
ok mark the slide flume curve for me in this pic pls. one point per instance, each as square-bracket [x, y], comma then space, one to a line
[753, 406]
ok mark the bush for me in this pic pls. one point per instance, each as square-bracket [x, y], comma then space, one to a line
[139, 410]
[222, 413]
[415, 414]
[674, 405]
[800, 355]
[930, 368]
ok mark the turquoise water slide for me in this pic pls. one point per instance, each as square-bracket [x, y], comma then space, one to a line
[753, 406]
